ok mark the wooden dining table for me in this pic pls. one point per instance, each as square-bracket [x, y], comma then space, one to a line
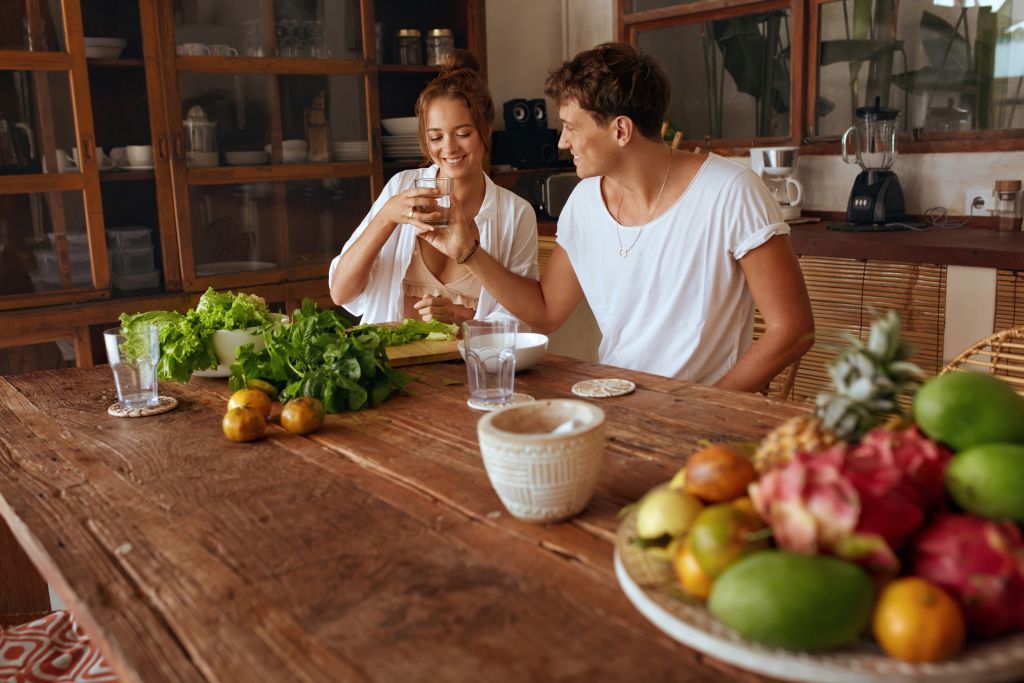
[373, 549]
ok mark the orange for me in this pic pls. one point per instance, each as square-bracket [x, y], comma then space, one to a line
[251, 398]
[243, 424]
[916, 621]
[695, 581]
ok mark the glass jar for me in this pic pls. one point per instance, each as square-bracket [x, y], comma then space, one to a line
[1007, 210]
[408, 46]
[440, 42]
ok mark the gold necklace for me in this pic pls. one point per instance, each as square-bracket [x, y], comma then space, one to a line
[624, 252]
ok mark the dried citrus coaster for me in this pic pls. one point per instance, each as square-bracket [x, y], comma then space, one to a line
[477, 404]
[603, 388]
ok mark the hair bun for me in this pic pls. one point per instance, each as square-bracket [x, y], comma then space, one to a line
[457, 60]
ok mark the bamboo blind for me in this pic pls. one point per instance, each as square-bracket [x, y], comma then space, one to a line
[545, 245]
[1009, 300]
[847, 294]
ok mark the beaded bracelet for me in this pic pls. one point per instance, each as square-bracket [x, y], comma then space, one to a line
[472, 250]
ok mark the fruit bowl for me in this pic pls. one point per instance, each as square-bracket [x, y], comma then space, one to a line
[651, 586]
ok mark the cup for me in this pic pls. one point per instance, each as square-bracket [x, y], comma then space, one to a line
[193, 49]
[543, 458]
[441, 206]
[134, 362]
[491, 359]
[223, 51]
[118, 156]
[139, 155]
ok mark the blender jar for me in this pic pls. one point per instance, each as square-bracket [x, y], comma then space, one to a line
[874, 137]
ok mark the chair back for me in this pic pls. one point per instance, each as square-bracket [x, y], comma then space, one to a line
[1001, 355]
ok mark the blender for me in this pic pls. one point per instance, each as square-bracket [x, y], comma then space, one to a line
[876, 198]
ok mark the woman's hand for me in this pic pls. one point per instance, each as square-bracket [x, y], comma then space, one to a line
[441, 308]
[453, 241]
[412, 206]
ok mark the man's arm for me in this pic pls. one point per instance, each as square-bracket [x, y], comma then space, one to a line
[544, 305]
[778, 288]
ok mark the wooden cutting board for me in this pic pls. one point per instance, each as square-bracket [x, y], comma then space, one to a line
[423, 351]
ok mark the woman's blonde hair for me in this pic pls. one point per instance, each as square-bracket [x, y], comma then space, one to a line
[459, 79]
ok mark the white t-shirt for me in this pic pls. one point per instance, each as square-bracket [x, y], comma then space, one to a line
[508, 232]
[678, 304]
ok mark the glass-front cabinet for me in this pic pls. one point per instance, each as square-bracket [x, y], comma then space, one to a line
[269, 113]
[51, 226]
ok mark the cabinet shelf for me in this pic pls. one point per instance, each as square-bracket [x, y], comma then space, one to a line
[408, 69]
[271, 65]
[120, 176]
[116, 63]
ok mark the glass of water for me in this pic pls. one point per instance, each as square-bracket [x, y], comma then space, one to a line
[439, 209]
[133, 358]
[491, 359]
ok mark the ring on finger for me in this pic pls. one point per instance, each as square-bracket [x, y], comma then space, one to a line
[412, 210]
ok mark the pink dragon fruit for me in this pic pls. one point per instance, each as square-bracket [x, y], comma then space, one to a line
[860, 502]
[981, 563]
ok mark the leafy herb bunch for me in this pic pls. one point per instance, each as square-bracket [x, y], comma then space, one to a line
[315, 356]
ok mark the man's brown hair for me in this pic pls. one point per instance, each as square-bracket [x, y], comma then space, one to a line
[614, 79]
[459, 79]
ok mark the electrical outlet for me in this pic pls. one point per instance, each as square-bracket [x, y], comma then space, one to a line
[980, 198]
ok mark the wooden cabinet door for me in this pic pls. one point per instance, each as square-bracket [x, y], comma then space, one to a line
[52, 240]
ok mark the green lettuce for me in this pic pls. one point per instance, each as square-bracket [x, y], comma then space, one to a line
[186, 339]
[317, 355]
[414, 330]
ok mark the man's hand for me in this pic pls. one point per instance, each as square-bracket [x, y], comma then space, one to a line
[456, 240]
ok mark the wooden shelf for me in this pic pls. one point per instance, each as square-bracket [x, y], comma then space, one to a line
[119, 176]
[116, 63]
[272, 65]
[408, 69]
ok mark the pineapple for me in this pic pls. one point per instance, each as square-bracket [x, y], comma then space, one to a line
[868, 382]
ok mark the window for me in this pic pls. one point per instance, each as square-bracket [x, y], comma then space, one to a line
[754, 71]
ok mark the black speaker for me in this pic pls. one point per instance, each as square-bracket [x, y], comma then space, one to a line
[518, 114]
[525, 147]
[539, 109]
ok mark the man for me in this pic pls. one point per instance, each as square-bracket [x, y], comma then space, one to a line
[672, 250]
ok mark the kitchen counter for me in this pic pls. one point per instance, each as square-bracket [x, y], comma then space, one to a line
[978, 247]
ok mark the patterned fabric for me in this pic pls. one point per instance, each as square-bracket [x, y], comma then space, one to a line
[51, 650]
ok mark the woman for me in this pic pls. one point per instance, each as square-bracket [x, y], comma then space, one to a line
[385, 271]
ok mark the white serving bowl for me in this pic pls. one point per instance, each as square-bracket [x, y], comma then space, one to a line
[543, 458]
[227, 342]
[404, 125]
[530, 348]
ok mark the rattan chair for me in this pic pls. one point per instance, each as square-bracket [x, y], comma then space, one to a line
[1001, 354]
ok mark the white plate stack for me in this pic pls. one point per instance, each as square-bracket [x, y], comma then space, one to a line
[104, 48]
[355, 150]
[401, 147]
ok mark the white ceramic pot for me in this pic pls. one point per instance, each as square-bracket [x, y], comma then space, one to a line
[543, 458]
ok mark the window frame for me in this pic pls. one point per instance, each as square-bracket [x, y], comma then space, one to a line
[804, 19]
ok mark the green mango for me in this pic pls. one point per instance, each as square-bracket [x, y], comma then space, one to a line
[964, 409]
[988, 480]
[793, 601]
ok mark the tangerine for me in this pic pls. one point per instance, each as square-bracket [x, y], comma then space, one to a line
[302, 415]
[916, 621]
[243, 424]
[251, 398]
[695, 580]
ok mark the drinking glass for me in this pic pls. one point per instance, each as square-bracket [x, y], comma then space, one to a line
[491, 359]
[442, 204]
[133, 359]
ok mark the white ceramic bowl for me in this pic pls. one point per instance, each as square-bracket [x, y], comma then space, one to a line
[227, 342]
[543, 458]
[404, 125]
[115, 42]
[530, 348]
[103, 51]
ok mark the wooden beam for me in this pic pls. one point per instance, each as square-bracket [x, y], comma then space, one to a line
[24, 60]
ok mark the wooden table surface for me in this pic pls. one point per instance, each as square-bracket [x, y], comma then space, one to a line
[374, 549]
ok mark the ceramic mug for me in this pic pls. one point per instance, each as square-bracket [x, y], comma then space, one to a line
[193, 49]
[223, 51]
